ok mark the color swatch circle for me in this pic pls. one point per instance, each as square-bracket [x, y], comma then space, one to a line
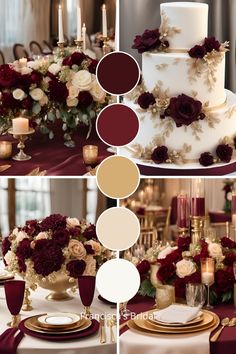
[117, 125]
[118, 228]
[118, 73]
[117, 177]
[117, 280]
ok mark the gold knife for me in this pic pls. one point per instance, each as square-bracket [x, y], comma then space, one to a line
[102, 331]
[4, 168]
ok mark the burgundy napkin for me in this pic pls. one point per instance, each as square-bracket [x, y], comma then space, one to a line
[9, 341]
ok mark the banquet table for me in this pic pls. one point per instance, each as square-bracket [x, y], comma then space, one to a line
[87, 345]
[52, 155]
[132, 341]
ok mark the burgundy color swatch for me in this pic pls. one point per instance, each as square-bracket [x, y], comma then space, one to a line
[118, 73]
[117, 125]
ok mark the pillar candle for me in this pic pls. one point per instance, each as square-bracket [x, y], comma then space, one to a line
[207, 278]
[198, 197]
[84, 36]
[20, 126]
[79, 37]
[104, 20]
[60, 25]
[183, 211]
[23, 62]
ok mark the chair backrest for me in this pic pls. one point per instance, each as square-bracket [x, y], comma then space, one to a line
[47, 47]
[35, 48]
[19, 51]
[2, 58]
[148, 236]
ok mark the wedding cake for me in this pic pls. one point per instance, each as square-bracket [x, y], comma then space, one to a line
[187, 117]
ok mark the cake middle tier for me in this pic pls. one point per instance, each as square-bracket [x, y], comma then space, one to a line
[177, 73]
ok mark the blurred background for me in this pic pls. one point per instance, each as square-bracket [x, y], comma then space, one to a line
[23, 199]
[26, 21]
[138, 15]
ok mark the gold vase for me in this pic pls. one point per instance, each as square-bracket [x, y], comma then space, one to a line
[59, 288]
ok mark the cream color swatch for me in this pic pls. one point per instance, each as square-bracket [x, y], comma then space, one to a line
[117, 177]
[117, 280]
[118, 228]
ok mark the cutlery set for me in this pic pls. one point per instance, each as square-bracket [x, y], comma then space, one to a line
[225, 322]
[110, 323]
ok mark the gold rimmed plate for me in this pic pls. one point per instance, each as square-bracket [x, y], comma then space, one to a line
[196, 320]
[59, 320]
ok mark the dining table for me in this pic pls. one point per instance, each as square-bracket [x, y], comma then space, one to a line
[86, 345]
[132, 341]
[51, 156]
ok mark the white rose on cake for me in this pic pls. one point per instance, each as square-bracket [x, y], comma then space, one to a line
[37, 94]
[97, 92]
[215, 250]
[82, 80]
[184, 268]
[19, 94]
[54, 68]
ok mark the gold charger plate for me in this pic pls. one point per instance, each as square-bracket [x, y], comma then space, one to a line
[208, 319]
[6, 277]
[44, 320]
[168, 324]
[31, 323]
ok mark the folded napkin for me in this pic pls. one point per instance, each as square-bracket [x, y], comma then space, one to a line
[177, 314]
[9, 340]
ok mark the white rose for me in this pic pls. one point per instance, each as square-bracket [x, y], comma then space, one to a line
[215, 250]
[19, 94]
[185, 268]
[44, 100]
[20, 236]
[25, 70]
[90, 266]
[73, 91]
[77, 249]
[54, 68]
[33, 64]
[165, 252]
[135, 260]
[15, 231]
[41, 236]
[37, 94]
[97, 248]
[72, 102]
[82, 80]
[97, 92]
[72, 222]
[9, 257]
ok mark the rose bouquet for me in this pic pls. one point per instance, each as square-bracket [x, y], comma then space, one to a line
[40, 249]
[179, 266]
[51, 88]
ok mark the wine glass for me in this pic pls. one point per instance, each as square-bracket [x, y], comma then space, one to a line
[208, 276]
[195, 294]
[124, 311]
[86, 284]
[14, 292]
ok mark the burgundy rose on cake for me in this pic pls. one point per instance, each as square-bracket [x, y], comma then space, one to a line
[59, 245]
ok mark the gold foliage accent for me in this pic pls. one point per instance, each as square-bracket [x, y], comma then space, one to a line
[162, 66]
[229, 113]
[165, 29]
[176, 61]
[136, 92]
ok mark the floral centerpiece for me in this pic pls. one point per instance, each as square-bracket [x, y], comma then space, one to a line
[178, 266]
[40, 250]
[50, 89]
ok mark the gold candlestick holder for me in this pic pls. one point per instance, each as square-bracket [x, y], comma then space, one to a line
[105, 47]
[21, 156]
[79, 45]
[197, 224]
[61, 46]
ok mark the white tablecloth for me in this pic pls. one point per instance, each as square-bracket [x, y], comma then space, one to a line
[133, 342]
[31, 345]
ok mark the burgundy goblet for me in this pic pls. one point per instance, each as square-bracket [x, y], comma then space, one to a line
[14, 292]
[86, 284]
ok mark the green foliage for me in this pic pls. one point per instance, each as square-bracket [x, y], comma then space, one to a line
[36, 108]
[147, 289]
[226, 297]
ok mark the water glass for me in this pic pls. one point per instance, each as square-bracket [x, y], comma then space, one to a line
[195, 294]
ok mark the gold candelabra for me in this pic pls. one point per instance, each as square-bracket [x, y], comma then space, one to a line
[21, 156]
[61, 46]
[79, 45]
[105, 47]
[197, 224]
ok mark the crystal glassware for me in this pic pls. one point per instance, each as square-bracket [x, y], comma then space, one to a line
[124, 311]
[14, 292]
[195, 294]
[208, 276]
[86, 284]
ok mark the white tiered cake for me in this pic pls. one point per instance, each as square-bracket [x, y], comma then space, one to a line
[187, 118]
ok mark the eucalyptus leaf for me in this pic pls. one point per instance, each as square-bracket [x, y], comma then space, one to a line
[44, 129]
[51, 116]
[36, 108]
[51, 135]
[69, 143]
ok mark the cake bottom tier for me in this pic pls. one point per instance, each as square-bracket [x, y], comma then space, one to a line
[190, 141]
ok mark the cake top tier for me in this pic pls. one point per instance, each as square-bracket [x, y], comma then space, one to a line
[190, 18]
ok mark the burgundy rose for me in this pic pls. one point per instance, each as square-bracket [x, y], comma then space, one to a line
[197, 259]
[47, 258]
[75, 231]
[27, 103]
[224, 280]
[184, 110]
[6, 245]
[76, 268]
[179, 285]
[160, 154]
[143, 267]
[211, 43]
[89, 249]
[53, 222]
[24, 82]
[67, 61]
[204, 249]
[93, 66]
[194, 278]
[24, 250]
[58, 91]
[22, 265]
[146, 100]
[61, 237]
[198, 51]
[90, 232]
[8, 76]
[36, 77]
[183, 243]
[206, 159]
[224, 152]
[77, 58]
[173, 257]
[8, 101]
[51, 76]
[32, 227]
[85, 99]
[230, 258]
[227, 242]
[166, 271]
[149, 40]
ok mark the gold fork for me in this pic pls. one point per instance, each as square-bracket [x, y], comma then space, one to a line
[102, 330]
